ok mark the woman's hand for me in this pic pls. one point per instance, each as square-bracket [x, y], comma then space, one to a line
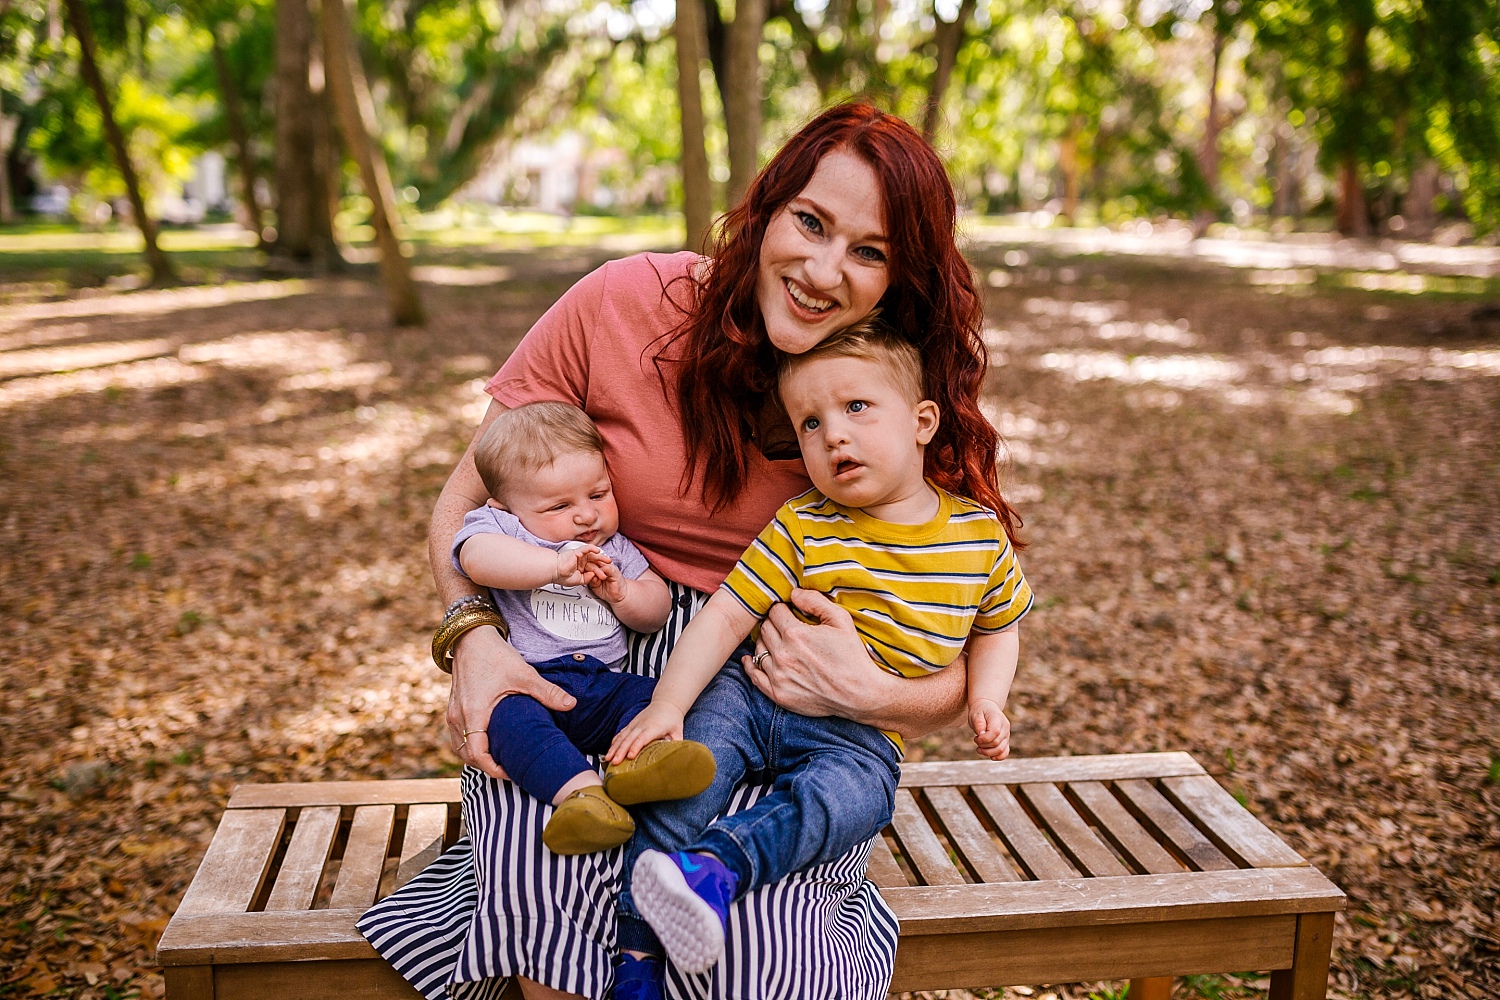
[485, 669]
[657, 721]
[813, 670]
[824, 669]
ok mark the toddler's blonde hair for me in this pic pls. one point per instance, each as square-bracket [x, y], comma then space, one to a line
[871, 338]
[530, 438]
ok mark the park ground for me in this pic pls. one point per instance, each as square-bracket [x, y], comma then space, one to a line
[1259, 479]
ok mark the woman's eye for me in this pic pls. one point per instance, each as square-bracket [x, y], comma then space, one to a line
[810, 221]
[872, 254]
[858, 406]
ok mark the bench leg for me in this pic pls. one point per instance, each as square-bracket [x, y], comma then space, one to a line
[1307, 979]
[189, 982]
[1158, 988]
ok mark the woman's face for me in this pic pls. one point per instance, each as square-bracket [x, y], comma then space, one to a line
[824, 256]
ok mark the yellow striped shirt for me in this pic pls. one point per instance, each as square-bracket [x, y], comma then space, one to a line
[915, 591]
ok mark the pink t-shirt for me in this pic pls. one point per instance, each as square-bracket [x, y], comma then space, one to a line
[594, 348]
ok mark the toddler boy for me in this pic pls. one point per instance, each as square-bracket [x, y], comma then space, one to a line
[568, 584]
[924, 575]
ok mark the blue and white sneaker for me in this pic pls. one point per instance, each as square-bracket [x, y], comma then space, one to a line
[685, 898]
[638, 978]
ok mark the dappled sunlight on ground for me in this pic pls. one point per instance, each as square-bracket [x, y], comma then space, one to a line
[1260, 501]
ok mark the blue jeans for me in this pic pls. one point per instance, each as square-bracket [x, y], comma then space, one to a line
[543, 750]
[834, 787]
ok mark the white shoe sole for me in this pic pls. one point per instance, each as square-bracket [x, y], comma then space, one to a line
[688, 927]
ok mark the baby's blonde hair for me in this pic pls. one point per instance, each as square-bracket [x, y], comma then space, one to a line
[872, 338]
[530, 438]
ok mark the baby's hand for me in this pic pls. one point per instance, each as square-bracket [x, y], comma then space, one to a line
[657, 721]
[991, 729]
[611, 585]
[575, 565]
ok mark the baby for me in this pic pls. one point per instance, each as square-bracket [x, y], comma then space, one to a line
[569, 585]
[924, 574]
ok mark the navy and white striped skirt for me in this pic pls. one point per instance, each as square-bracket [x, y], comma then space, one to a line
[499, 904]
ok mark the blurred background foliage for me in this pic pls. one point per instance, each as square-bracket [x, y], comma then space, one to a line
[1369, 116]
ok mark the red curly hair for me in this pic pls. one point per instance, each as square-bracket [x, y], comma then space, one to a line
[726, 366]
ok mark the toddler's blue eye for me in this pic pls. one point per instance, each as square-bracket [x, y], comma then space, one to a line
[810, 424]
[857, 406]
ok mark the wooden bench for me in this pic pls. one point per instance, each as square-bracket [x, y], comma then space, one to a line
[1061, 869]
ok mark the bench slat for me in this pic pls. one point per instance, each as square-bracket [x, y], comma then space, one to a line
[1082, 845]
[1023, 770]
[302, 868]
[1230, 825]
[425, 825]
[1120, 827]
[1152, 808]
[1025, 841]
[281, 936]
[1112, 951]
[972, 839]
[920, 844]
[403, 791]
[236, 863]
[364, 857]
[882, 868]
[1112, 899]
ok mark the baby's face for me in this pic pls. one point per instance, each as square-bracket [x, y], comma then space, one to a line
[570, 500]
[862, 437]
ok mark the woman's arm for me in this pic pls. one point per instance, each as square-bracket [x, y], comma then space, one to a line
[824, 669]
[486, 668]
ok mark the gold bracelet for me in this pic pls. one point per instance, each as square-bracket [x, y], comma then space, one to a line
[455, 626]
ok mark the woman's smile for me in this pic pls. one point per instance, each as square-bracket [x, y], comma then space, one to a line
[806, 301]
[827, 251]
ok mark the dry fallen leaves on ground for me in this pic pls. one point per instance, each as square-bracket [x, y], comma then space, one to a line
[1262, 521]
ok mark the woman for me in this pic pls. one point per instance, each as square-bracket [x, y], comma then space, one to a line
[674, 358]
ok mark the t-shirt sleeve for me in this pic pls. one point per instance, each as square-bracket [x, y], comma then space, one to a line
[551, 364]
[1007, 596]
[484, 520]
[771, 566]
[626, 556]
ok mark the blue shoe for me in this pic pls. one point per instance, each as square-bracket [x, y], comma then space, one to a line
[685, 898]
[638, 978]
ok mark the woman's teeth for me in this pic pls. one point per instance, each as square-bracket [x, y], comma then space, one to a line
[807, 302]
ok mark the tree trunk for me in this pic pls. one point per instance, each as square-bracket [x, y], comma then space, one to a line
[1067, 164]
[1283, 180]
[1208, 152]
[697, 208]
[78, 18]
[1353, 216]
[742, 101]
[328, 165]
[356, 112]
[240, 136]
[1416, 207]
[8, 126]
[949, 36]
[716, 37]
[298, 184]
